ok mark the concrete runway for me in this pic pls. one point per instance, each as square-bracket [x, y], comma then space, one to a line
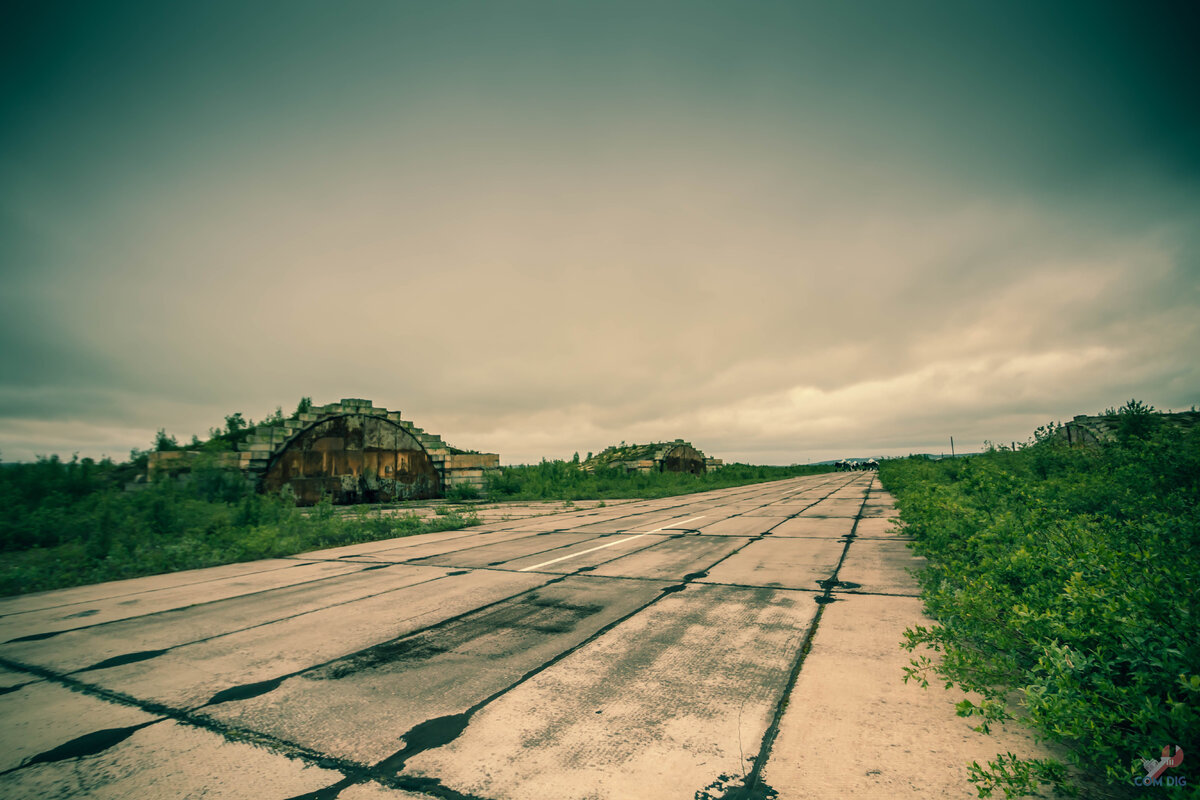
[735, 643]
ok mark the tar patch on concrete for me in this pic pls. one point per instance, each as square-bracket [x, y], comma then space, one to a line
[35, 637]
[416, 648]
[733, 787]
[694, 576]
[87, 613]
[432, 787]
[87, 745]
[425, 736]
[833, 583]
[327, 793]
[128, 658]
[244, 692]
[530, 614]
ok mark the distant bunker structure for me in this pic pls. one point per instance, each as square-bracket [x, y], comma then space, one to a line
[353, 452]
[676, 456]
[1094, 430]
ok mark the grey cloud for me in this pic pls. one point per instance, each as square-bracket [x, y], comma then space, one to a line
[786, 232]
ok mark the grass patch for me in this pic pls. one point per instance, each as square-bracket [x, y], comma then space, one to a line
[71, 523]
[1065, 580]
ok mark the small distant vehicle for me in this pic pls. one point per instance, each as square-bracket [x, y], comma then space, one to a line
[854, 465]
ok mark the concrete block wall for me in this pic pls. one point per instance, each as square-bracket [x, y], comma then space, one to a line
[469, 469]
[173, 462]
[1091, 430]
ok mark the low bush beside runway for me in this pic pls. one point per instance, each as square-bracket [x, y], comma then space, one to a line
[1064, 581]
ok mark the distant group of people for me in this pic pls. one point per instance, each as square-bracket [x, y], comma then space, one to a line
[846, 465]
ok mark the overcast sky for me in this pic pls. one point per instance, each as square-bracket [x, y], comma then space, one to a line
[783, 231]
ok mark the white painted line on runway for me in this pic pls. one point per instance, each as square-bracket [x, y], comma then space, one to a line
[610, 544]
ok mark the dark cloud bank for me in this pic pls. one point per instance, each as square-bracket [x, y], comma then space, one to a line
[786, 232]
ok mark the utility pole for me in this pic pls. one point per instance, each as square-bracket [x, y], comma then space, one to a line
[952, 447]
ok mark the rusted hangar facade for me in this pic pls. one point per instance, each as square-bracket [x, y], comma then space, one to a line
[352, 452]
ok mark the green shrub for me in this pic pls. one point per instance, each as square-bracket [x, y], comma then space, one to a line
[1065, 579]
[462, 492]
[66, 525]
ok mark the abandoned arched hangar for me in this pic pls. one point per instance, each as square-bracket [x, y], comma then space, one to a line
[676, 456]
[353, 452]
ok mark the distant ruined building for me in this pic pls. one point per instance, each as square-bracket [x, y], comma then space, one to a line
[676, 456]
[351, 452]
[1092, 430]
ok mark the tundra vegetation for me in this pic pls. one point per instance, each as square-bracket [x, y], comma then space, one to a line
[1064, 584]
[74, 522]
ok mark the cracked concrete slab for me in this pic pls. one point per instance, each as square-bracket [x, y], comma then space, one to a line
[588, 555]
[385, 545]
[424, 549]
[880, 527]
[94, 612]
[655, 709]
[848, 507]
[883, 566]
[740, 526]
[43, 716]
[814, 527]
[374, 791]
[853, 728]
[361, 706]
[83, 648]
[169, 760]
[644, 523]
[780, 563]
[189, 676]
[673, 558]
[491, 555]
[95, 592]
[875, 508]
[10, 679]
